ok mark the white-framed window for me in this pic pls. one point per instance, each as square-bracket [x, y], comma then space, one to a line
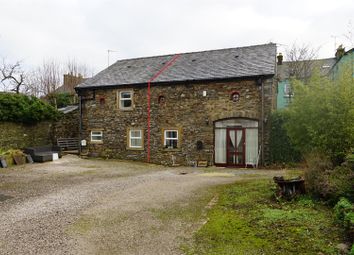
[135, 138]
[171, 138]
[288, 92]
[96, 136]
[125, 100]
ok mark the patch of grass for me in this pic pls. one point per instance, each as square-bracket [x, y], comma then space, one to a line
[10, 185]
[83, 225]
[187, 212]
[91, 166]
[247, 221]
[88, 172]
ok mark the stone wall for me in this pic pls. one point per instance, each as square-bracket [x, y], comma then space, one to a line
[67, 126]
[185, 108]
[18, 136]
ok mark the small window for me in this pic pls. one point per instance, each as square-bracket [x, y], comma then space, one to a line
[235, 97]
[96, 136]
[171, 139]
[288, 90]
[135, 139]
[125, 100]
[161, 100]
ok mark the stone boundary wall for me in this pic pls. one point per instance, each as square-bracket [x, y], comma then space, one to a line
[67, 126]
[18, 136]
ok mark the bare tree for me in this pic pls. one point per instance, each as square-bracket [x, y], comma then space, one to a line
[34, 87]
[300, 64]
[13, 77]
[43, 80]
[349, 34]
[300, 61]
[77, 69]
[48, 76]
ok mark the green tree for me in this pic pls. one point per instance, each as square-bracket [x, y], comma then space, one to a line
[60, 99]
[321, 116]
[281, 149]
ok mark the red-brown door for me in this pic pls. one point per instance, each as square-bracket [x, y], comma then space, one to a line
[235, 151]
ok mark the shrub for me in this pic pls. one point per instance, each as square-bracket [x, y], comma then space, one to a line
[25, 109]
[315, 174]
[281, 149]
[349, 219]
[324, 181]
[321, 116]
[60, 99]
[8, 155]
[342, 208]
[350, 160]
[344, 212]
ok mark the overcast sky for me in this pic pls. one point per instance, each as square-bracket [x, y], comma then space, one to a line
[33, 30]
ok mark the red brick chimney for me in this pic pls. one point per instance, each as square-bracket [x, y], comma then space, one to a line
[280, 59]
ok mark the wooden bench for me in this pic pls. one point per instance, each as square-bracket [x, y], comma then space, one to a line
[70, 145]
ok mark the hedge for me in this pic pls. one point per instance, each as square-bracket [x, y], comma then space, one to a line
[25, 109]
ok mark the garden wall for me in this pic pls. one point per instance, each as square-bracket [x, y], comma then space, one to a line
[17, 135]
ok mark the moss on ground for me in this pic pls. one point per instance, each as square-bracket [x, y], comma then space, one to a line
[246, 220]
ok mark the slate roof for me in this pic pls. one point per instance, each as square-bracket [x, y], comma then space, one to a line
[68, 109]
[196, 66]
[323, 65]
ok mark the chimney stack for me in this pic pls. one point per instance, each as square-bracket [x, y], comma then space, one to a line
[280, 59]
[340, 52]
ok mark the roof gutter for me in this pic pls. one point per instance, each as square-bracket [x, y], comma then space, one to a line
[164, 68]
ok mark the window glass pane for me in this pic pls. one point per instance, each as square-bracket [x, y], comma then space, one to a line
[171, 134]
[96, 135]
[135, 142]
[135, 139]
[126, 99]
[171, 143]
[125, 95]
[220, 146]
[171, 138]
[135, 133]
[126, 103]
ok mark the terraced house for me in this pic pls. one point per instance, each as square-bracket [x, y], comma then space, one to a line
[210, 106]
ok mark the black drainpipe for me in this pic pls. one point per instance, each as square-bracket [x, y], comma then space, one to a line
[262, 142]
[80, 123]
[81, 99]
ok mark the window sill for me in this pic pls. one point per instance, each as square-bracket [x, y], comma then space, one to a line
[134, 149]
[126, 109]
[167, 149]
[96, 142]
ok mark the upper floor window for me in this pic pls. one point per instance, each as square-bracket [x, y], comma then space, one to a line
[126, 100]
[288, 92]
[171, 139]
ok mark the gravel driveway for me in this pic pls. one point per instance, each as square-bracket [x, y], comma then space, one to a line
[78, 206]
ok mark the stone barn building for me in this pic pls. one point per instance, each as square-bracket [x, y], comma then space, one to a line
[210, 106]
